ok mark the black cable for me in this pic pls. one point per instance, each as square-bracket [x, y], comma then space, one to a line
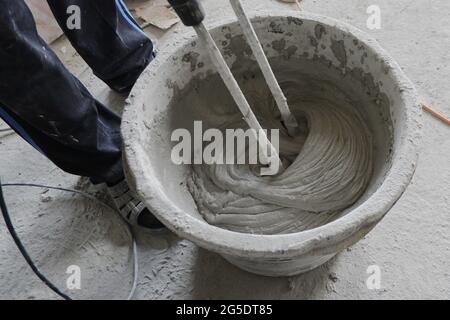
[22, 250]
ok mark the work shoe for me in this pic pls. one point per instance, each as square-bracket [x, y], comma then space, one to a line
[131, 208]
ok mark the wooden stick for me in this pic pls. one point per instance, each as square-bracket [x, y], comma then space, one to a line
[435, 114]
[252, 38]
[239, 98]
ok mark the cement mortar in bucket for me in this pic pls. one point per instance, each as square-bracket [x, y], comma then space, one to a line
[166, 97]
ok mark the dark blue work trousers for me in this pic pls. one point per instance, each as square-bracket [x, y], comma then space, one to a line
[50, 108]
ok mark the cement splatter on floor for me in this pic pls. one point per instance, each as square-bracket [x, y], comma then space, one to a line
[411, 245]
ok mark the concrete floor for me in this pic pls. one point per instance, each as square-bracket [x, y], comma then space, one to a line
[411, 245]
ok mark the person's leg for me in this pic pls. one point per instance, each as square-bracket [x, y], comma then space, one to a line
[49, 107]
[45, 104]
[109, 40]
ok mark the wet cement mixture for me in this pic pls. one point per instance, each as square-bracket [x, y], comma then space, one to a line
[328, 164]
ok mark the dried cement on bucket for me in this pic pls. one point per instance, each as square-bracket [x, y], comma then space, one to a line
[330, 162]
[328, 60]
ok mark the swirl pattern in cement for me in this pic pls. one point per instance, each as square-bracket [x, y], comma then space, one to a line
[329, 165]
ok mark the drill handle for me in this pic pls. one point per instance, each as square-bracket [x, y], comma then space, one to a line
[190, 12]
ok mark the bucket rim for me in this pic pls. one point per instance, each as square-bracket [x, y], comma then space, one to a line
[326, 239]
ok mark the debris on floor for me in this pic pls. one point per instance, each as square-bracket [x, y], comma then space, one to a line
[47, 26]
[154, 12]
[158, 16]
